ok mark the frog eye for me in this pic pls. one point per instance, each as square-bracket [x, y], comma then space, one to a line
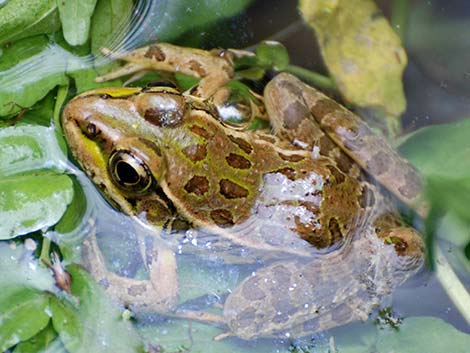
[128, 172]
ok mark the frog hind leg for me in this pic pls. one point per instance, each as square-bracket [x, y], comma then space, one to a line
[213, 69]
[300, 112]
[292, 299]
[295, 298]
[158, 293]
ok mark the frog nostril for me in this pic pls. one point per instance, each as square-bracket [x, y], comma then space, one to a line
[91, 129]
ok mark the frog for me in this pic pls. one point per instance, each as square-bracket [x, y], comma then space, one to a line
[304, 199]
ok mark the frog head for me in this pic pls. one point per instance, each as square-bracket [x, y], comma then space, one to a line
[114, 134]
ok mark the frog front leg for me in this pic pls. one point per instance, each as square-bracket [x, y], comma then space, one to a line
[159, 293]
[213, 68]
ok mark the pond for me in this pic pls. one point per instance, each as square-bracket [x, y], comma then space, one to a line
[237, 241]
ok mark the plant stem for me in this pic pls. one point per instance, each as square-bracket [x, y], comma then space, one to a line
[45, 249]
[400, 10]
[452, 285]
[316, 79]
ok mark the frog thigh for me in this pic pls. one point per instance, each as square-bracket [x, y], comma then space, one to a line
[293, 298]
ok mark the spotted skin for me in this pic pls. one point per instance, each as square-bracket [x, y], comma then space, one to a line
[312, 110]
[298, 200]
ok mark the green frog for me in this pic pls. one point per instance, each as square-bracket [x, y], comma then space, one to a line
[299, 198]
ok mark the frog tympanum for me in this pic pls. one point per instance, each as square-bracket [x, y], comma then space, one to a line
[300, 198]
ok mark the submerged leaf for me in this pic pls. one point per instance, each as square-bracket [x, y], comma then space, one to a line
[361, 51]
[95, 325]
[24, 314]
[21, 19]
[424, 334]
[75, 16]
[44, 342]
[24, 82]
[110, 17]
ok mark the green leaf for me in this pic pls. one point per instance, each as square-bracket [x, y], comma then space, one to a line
[174, 18]
[24, 300]
[424, 334]
[361, 51]
[21, 50]
[66, 322]
[33, 201]
[24, 82]
[442, 155]
[41, 113]
[20, 19]
[74, 213]
[23, 314]
[272, 55]
[28, 147]
[75, 16]
[440, 150]
[95, 325]
[44, 342]
[110, 17]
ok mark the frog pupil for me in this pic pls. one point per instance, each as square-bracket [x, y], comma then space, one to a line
[126, 173]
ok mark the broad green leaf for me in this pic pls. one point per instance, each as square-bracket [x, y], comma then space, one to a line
[75, 16]
[32, 201]
[440, 150]
[20, 19]
[272, 54]
[424, 334]
[45, 342]
[25, 82]
[23, 299]
[23, 315]
[361, 51]
[442, 155]
[40, 113]
[110, 16]
[21, 50]
[95, 324]
[29, 147]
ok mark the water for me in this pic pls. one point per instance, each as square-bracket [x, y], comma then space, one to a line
[435, 95]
